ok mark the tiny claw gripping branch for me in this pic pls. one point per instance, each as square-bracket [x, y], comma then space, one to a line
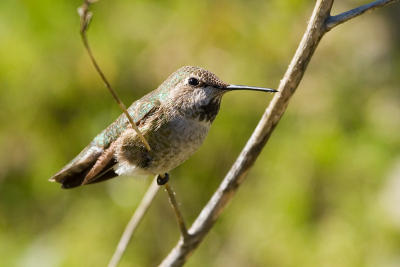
[86, 17]
[162, 180]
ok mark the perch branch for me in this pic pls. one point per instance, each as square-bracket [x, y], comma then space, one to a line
[333, 21]
[178, 214]
[86, 16]
[317, 27]
[236, 175]
[133, 223]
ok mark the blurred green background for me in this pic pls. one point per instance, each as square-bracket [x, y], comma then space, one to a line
[324, 192]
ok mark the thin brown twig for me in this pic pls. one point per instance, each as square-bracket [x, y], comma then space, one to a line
[86, 17]
[134, 222]
[178, 214]
[333, 21]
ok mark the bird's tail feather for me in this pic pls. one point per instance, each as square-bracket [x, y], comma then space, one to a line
[73, 174]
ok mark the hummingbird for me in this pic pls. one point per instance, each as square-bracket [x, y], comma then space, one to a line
[174, 119]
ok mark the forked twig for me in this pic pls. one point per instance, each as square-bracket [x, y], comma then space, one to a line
[333, 21]
[138, 215]
[86, 16]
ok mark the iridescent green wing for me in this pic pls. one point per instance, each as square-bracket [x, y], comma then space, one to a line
[74, 173]
[138, 110]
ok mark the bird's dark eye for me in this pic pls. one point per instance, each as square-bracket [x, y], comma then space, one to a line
[193, 81]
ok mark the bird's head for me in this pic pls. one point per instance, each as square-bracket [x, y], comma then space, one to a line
[194, 87]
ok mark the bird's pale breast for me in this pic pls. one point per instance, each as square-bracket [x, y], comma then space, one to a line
[173, 142]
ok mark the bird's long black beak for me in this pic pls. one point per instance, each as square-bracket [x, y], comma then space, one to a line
[254, 88]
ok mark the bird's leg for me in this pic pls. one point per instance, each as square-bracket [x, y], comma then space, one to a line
[163, 180]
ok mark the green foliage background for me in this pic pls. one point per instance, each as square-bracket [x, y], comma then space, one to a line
[324, 192]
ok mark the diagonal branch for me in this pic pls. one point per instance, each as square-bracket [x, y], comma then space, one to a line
[333, 21]
[320, 22]
[237, 174]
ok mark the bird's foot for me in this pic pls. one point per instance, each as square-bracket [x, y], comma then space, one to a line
[162, 179]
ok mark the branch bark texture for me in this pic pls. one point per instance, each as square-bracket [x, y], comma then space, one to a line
[319, 23]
